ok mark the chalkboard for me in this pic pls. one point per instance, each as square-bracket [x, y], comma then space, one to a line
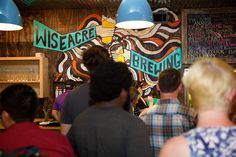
[209, 33]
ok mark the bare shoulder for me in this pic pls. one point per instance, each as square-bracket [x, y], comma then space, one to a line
[176, 147]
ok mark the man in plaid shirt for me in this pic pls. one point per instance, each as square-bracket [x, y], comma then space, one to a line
[168, 117]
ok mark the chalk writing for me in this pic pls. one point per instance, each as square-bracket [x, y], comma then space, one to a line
[211, 35]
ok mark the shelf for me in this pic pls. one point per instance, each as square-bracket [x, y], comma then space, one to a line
[14, 82]
[28, 70]
[20, 58]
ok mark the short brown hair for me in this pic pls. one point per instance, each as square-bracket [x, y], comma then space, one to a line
[169, 80]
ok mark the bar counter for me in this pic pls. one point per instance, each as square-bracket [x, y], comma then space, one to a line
[37, 121]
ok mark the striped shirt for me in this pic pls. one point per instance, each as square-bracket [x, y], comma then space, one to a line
[167, 119]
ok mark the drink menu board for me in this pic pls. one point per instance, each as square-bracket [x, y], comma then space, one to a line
[209, 33]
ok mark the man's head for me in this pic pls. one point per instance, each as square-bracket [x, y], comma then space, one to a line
[19, 102]
[109, 80]
[69, 84]
[211, 83]
[95, 56]
[169, 80]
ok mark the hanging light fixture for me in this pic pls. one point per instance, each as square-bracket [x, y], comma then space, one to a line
[134, 14]
[10, 18]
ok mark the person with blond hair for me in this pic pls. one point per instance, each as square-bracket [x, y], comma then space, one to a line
[212, 85]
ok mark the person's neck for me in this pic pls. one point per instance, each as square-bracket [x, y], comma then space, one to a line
[164, 96]
[213, 119]
[8, 123]
[112, 103]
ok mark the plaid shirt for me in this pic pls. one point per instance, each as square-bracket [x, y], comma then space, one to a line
[167, 119]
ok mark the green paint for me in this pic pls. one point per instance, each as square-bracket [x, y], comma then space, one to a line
[153, 68]
[28, 2]
[46, 38]
[154, 101]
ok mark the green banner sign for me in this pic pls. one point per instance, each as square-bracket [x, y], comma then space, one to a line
[46, 38]
[146, 65]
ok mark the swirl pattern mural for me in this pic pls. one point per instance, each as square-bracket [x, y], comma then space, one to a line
[155, 44]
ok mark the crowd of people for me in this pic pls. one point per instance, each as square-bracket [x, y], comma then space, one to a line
[97, 118]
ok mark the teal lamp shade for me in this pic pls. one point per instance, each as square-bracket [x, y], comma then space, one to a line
[134, 14]
[10, 18]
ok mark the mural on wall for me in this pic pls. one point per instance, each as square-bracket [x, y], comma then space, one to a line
[146, 51]
[150, 50]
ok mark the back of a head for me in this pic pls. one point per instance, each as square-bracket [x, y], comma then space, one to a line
[169, 80]
[20, 101]
[108, 80]
[69, 84]
[209, 81]
[95, 56]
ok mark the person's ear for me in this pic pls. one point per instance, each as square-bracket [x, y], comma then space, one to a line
[5, 114]
[6, 119]
[123, 93]
[180, 87]
[157, 87]
[231, 95]
[122, 99]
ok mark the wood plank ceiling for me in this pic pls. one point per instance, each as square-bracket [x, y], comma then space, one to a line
[175, 5]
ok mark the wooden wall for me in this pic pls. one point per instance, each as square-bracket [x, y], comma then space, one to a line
[20, 43]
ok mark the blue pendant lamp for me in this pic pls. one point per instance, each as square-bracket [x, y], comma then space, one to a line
[10, 18]
[134, 14]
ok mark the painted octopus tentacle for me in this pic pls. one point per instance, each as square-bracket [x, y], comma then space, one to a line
[142, 49]
[60, 66]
